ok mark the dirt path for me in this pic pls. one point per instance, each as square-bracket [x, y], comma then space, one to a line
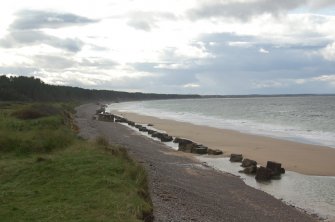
[181, 188]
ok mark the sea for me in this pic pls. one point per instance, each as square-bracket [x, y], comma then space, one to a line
[305, 119]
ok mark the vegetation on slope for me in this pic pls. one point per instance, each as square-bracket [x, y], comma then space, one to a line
[48, 174]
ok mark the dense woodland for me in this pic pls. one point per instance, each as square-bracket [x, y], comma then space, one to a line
[23, 88]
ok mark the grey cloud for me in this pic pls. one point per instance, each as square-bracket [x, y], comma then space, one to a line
[171, 79]
[164, 77]
[98, 48]
[32, 19]
[18, 70]
[29, 37]
[99, 81]
[319, 4]
[94, 46]
[19, 38]
[146, 21]
[25, 30]
[99, 63]
[285, 59]
[53, 62]
[141, 25]
[150, 15]
[235, 70]
[162, 83]
[72, 45]
[242, 10]
[56, 62]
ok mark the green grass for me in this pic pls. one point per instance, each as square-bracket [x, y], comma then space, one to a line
[37, 134]
[47, 174]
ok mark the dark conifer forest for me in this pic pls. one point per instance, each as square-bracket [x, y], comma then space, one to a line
[23, 88]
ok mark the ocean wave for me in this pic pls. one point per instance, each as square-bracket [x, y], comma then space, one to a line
[281, 131]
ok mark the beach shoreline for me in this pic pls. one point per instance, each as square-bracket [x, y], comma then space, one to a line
[184, 189]
[303, 158]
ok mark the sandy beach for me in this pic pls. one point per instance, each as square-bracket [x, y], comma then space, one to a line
[302, 158]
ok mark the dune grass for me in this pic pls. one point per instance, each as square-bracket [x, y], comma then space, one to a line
[48, 174]
[24, 129]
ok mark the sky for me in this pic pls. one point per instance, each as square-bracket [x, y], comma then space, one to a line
[167, 46]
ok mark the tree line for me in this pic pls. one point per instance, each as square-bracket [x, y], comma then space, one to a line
[22, 88]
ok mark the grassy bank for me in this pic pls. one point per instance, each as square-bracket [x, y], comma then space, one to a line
[48, 174]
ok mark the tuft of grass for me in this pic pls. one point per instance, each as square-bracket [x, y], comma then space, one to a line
[48, 174]
[35, 111]
[33, 135]
[102, 141]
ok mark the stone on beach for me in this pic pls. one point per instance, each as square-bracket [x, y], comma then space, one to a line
[214, 152]
[151, 131]
[106, 117]
[273, 170]
[199, 149]
[131, 123]
[143, 129]
[249, 170]
[120, 119]
[138, 126]
[166, 138]
[282, 170]
[247, 163]
[263, 174]
[162, 136]
[274, 167]
[236, 157]
[101, 110]
[250, 166]
[189, 146]
[177, 140]
[155, 134]
[184, 145]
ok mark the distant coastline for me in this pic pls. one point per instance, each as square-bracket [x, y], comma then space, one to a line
[21, 88]
[263, 95]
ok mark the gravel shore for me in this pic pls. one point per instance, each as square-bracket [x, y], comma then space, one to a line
[181, 188]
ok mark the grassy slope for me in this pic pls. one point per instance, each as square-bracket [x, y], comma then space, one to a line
[47, 174]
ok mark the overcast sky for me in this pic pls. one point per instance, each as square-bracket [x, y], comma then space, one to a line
[173, 46]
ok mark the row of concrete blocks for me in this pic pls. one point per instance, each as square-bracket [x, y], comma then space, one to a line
[184, 145]
[273, 170]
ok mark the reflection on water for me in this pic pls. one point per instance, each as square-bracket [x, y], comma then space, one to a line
[315, 194]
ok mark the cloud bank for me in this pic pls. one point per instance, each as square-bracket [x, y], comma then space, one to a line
[34, 19]
[205, 46]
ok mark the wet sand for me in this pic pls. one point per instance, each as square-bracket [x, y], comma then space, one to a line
[302, 158]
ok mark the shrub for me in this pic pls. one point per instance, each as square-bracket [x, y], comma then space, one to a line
[36, 111]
